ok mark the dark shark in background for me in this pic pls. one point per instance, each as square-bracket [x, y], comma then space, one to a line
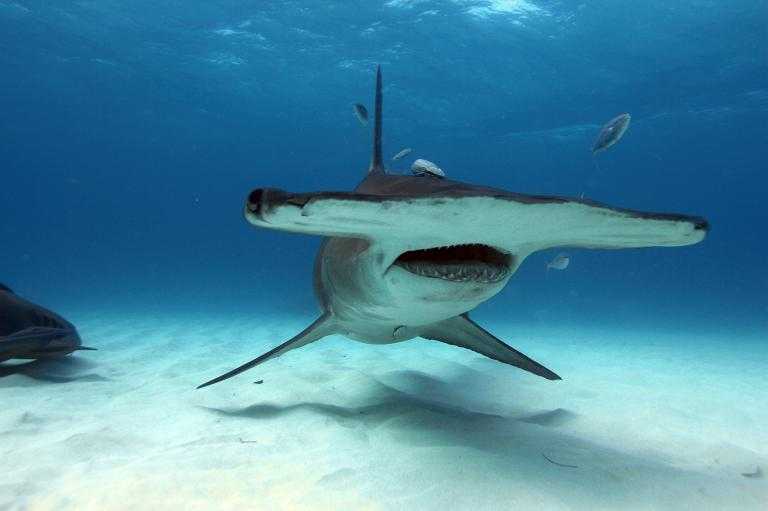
[410, 256]
[29, 331]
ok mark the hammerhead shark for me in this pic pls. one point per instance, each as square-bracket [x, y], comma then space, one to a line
[409, 256]
[29, 331]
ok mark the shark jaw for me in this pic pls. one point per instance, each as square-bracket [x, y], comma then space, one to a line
[474, 263]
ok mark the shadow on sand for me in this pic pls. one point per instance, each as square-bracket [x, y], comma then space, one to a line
[467, 437]
[428, 412]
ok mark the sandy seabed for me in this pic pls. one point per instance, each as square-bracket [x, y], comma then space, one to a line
[641, 420]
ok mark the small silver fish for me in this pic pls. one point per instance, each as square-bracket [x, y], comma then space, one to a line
[611, 133]
[560, 262]
[401, 154]
[362, 114]
[426, 168]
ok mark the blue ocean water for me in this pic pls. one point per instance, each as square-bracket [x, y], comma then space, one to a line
[132, 132]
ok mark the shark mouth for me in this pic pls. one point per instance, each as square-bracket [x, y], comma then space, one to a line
[458, 263]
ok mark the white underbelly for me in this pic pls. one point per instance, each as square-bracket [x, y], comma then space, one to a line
[375, 302]
[405, 302]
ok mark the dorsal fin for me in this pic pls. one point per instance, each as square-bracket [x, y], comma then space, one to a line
[377, 163]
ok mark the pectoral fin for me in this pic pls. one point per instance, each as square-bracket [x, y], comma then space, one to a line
[462, 331]
[322, 327]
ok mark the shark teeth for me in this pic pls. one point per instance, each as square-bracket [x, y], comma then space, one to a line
[465, 272]
[473, 262]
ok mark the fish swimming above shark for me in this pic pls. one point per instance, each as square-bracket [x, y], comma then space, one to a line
[29, 331]
[409, 256]
[611, 133]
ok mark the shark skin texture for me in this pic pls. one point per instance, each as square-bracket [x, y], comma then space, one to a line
[29, 331]
[410, 256]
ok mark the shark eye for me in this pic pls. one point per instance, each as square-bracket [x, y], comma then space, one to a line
[254, 200]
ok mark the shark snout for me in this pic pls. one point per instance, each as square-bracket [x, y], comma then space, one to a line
[255, 201]
[273, 208]
[64, 345]
[261, 200]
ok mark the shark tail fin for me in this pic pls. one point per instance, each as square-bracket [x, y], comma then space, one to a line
[465, 333]
[377, 162]
[323, 326]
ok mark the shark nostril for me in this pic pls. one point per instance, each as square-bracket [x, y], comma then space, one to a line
[701, 225]
[254, 200]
